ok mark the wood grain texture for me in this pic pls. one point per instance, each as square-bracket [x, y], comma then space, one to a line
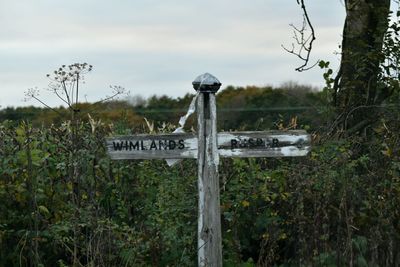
[209, 228]
[261, 144]
[200, 161]
[246, 144]
[146, 146]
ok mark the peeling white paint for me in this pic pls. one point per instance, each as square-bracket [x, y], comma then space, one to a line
[182, 122]
[200, 241]
[292, 151]
[282, 137]
[289, 151]
[214, 144]
[189, 154]
[200, 157]
[293, 144]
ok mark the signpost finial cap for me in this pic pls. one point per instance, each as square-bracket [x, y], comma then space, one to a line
[206, 83]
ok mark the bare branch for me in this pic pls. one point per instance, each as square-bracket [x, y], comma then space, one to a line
[117, 90]
[64, 86]
[62, 99]
[303, 39]
[33, 93]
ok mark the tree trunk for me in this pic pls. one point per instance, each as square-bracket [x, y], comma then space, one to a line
[357, 88]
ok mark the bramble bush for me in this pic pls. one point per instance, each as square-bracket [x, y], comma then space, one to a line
[65, 203]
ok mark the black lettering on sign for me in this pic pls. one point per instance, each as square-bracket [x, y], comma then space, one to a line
[181, 144]
[233, 143]
[134, 146]
[125, 145]
[275, 142]
[142, 145]
[268, 143]
[171, 144]
[254, 143]
[118, 146]
[153, 145]
[243, 143]
[259, 142]
[162, 144]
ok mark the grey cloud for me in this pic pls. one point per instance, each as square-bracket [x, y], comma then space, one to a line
[157, 46]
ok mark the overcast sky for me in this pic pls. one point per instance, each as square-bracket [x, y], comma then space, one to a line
[158, 46]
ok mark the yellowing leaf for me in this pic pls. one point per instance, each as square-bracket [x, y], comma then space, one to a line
[20, 135]
[245, 203]
[43, 210]
[282, 236]
[265, 236]
[388, 152]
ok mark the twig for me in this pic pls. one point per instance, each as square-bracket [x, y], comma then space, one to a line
[47, 106]
[305, 43]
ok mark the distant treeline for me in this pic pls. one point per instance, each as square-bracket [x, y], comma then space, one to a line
[243, 108]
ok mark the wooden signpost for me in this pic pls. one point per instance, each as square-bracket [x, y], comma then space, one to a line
[260, 144]
[207, 146]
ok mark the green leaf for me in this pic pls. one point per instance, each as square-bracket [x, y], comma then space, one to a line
[42, 209]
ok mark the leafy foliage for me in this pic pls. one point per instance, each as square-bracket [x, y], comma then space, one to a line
[65, 207]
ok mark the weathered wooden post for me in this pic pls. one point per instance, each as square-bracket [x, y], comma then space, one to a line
[209, 221]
